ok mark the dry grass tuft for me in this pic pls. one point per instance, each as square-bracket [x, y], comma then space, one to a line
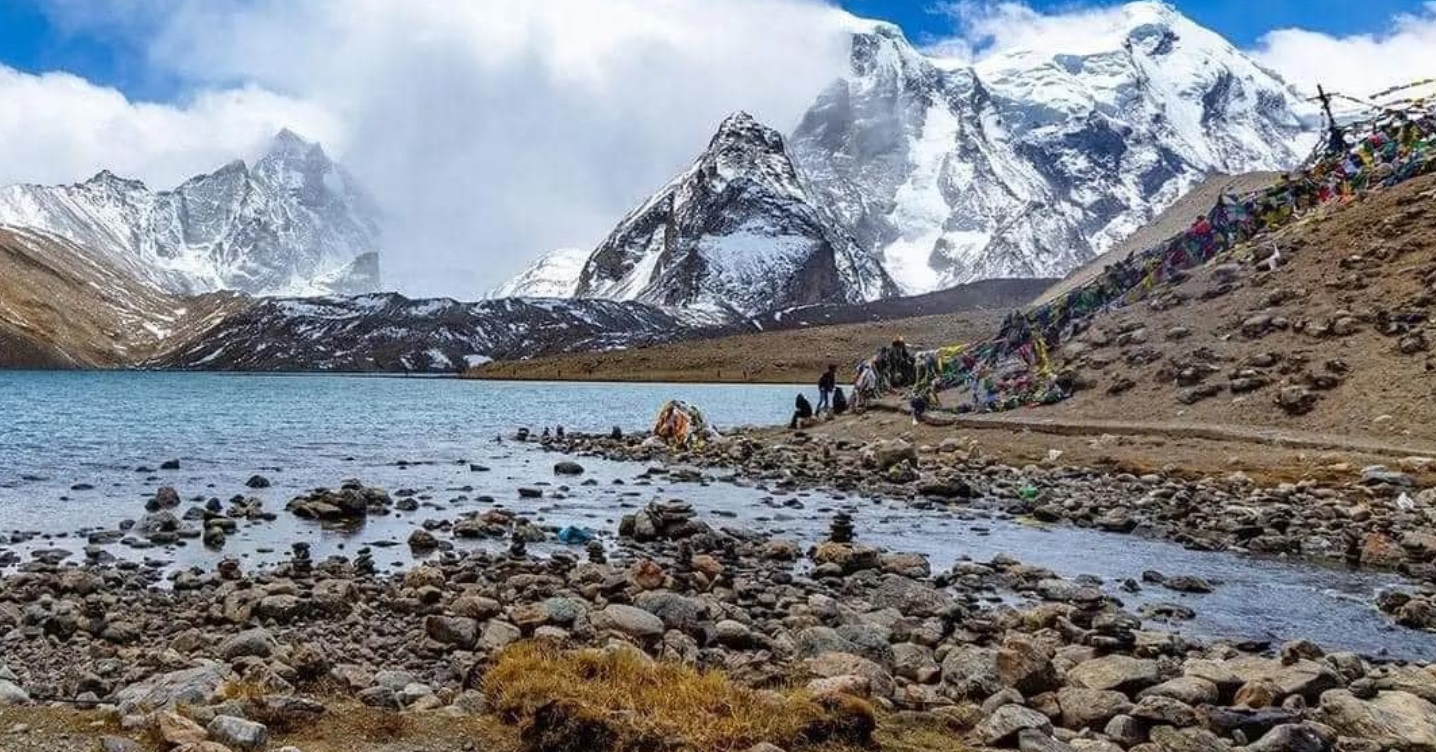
[620, 701]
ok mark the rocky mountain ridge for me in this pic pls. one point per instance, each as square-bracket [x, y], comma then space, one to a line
[293, 222]
[923, 173]
[736, 233]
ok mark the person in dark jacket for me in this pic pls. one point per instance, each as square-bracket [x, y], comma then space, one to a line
[840, 402]
[826, 384]
[802, 411]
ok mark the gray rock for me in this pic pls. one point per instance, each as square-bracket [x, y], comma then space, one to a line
[1169, 739]
[1296, 737]
[1118, 672]
[1158, 709]
[830, 665]
[12, 694]
[395, 680]
[971, 673]
[1007, 721]
[568, 467]
[1033, 740]
[119, 744]
[814, 641]
[1398, 720]
[238, 733]
[251, 643]
[1189, 689]
[498, 635]
[634, 622]
[677, 611]
[192, 686]
[1090, 708]
[459, 631]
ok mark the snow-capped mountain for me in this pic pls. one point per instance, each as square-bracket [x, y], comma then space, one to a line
[737, 232]
[294, 222]
[389, 332]
[554, 275]
[1032, 161]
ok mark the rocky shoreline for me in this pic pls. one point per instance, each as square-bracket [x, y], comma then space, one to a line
[995, 653]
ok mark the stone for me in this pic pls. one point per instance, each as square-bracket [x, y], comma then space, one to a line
[850, 558]
[238, 733]
[1035, 740]
[1115, 672]
[1126, 730]
[474, 607]
[257, 481]
[1189, 689]
[176, 730]
[890, 453]
[567, 467]
[1090, 708]
[498, 635]
[193, 686]
[1306, 678]
[1395, 720]
[1158, 709]
[1296, 737]
[458, 631]
[119, 744]
[1026, 665]
[422, 540]
[1169, 739]
[971, 673]
[829, 665]
[628, 620]
[677, 611]
[1007, 721]
[12, 694]
[251, 643]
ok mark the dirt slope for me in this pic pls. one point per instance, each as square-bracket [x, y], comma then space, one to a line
[792, 356]
[1338, 332]
[59, 308]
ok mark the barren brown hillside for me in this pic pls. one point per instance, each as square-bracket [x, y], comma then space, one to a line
[61, 309]
[793, 356]
[1335, 339]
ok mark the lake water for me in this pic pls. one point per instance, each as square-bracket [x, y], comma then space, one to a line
[58, 430]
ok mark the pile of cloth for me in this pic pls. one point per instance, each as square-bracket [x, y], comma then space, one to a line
[683, 425]
[1013, 369]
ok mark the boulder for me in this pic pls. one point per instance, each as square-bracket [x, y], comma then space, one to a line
[238, 733]
[192, 686]
[888, 454]
[251, 643]
[1007, 721]
[971, 673]
[830, 665]
[12, 694]
[567, 467]
[176, 730]
[1393, 720]
[628, 620]
[1119, 672]
[677, 611]
[1090, 708]
[458, 631]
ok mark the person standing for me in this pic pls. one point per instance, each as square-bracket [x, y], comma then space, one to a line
[826, 384]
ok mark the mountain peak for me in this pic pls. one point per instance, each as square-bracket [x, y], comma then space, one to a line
[742, 131]
[107, 178]
[288, 145]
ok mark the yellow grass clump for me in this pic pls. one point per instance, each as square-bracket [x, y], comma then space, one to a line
[622, 701]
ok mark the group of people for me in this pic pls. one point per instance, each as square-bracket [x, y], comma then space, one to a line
[831, 400]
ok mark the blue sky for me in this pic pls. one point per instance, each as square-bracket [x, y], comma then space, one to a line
[1241, 21]
[32, 40]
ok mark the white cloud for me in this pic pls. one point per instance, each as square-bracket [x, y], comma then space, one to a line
[1360, 64]
[496, 130]
[58, 128]
[491, 130]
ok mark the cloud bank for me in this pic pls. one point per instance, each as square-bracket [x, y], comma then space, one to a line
[1359, 64]
[496, 130]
